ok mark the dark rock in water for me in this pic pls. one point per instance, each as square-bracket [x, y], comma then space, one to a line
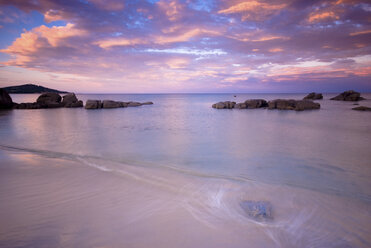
[290, 104]
[70, 101]
[147, 103]
[6, 101]
[256, 103]
[134, 104]
[240, 105]
[78, 104]
[349, 95]
[47, 98]
[27, 105]
[93, 104]
[258, 210]
[111, 104]
[224, 105]
[355, 103]
[313, 96]
[362, 108]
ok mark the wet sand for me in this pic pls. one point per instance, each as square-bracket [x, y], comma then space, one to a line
[51, 201]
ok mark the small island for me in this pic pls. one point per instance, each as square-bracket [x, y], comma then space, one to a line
[31, 88]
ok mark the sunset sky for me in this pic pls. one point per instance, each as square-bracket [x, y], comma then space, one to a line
[144, 46]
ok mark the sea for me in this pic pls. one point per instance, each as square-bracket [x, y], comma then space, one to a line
[177, 174]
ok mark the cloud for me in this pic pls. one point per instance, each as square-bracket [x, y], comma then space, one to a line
[253, 10]
[188, 46]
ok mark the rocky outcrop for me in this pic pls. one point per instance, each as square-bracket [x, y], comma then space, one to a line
[111, 104]
[349, 95]
[257, 210]
[51, 100]
[70, 101]
[313, 96]
[49, 97]
[96, 104]
[147, 103]
[362, 108]
[298, 105]
[283, 104]
[252, 104]
[224, 105]
[5, 100]
[93, 104]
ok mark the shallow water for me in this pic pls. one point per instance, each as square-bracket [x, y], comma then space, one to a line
[173, 174]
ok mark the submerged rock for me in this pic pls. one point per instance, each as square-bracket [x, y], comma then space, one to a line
[349, 95]
[298, 105]
[147, 103]
[224, 105]
[27, 105]
[362, 108]
[258, 210]
[313, 96]
[6, 101]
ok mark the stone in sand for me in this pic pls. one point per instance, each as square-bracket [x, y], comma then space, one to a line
[258, 210]
[6, 101]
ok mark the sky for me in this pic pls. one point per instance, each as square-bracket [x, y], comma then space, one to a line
[187, 46]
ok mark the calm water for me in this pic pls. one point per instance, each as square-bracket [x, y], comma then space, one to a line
[173, 174]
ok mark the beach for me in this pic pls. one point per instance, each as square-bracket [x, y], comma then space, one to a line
[175, 174]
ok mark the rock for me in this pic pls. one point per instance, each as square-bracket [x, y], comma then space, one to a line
[147, 103]
[93, 104]
[362, 108]
[111, 104]
[258, 210]
[313, 96]
[282, 104]
[134, 104]
[47, 98]
[124, 104]
[349, 95]
[70, 101]
[256, 103]
[290, 104]
[218, 105]
[27, 105]
[241, 105]
[224, 105]
[78, 104]
[6, 101]
[306, 105]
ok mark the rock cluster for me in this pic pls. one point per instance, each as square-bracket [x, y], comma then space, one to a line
[97, 104]
[51, 100]
[224, 105]
[313, 96]
[282, 104]
[362, 108]
[5, 100]
[298, 105]
[349, 95]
